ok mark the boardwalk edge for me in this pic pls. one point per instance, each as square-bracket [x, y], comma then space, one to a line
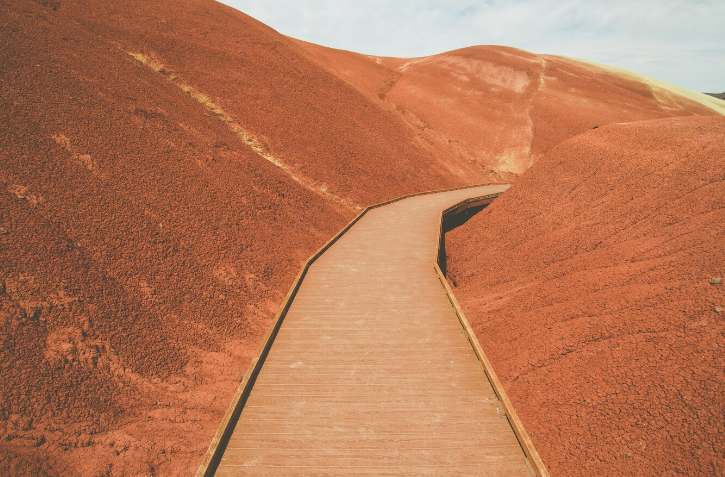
[536, 465]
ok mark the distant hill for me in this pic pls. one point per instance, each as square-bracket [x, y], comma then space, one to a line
[717, 95]
[500, 108]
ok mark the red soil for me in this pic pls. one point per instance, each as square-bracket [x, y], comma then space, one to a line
[588, 285]
[499, 108]
[154, 209]
[146, 246]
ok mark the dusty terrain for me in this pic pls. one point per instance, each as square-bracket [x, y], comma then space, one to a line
[164, 173]
[589, 286]
[500, 108]
[146, 244]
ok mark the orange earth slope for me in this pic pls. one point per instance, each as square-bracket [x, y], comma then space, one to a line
[163, 174]
[154, 215]
[589, 286]
[501, 108]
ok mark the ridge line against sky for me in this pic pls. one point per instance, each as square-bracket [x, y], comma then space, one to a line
[678, 41]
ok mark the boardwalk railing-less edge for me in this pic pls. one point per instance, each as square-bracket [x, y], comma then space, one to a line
[219, 442]
[534, 461]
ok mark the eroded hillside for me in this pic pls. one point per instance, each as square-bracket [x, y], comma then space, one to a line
[592, 284]
[163, 177]
[501, 108]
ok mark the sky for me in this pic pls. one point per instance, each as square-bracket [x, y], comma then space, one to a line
[678, 41]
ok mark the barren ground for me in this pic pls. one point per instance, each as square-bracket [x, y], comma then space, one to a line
[589, 287]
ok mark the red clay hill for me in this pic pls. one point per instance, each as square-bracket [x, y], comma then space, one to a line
[594, 286]
[500, 108]
[165, 170]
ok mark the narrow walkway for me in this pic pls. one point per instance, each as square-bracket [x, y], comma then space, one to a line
[371, 372]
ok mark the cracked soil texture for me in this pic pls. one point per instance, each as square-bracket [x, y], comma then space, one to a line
[145, 248]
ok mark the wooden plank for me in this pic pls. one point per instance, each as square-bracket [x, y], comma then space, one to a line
[364, 456]
[398, 401]
[502, 469]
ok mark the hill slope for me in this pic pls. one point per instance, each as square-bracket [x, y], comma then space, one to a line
[500, 108]
[154, 217]
[589, 286]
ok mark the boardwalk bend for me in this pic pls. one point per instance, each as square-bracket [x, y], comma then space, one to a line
[371, 368]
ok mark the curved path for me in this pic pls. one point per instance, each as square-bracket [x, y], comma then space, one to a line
[371, 372]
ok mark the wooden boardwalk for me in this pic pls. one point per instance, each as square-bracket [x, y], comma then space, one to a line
[371, 372]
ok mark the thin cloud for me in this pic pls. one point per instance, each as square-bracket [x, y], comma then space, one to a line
[680, 41]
